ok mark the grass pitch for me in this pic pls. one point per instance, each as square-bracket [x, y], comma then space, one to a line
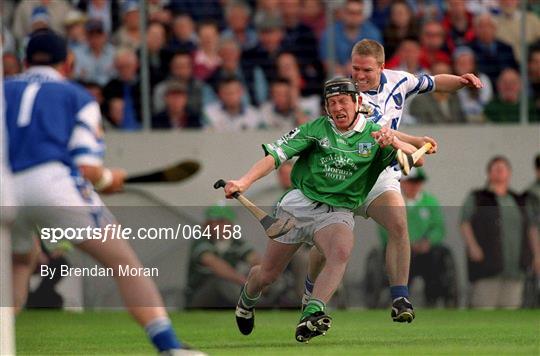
[357, 332]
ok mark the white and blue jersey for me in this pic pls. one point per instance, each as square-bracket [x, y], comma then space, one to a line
[53, 127]
[388, 101]
[394, 89]
[51, 119]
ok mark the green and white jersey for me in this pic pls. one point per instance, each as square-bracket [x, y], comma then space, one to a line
[335, 168]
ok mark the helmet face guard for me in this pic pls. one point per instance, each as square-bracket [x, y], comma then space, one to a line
[338, 86]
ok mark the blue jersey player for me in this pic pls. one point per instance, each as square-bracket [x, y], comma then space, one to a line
[55, 152]
[386, 92]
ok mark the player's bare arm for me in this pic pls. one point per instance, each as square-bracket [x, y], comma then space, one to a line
[105, 180]
[452, 83]
[417, 141]
[260, 169]
[385, 137]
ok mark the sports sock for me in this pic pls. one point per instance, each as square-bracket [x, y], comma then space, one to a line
[308, 286]
[399, 291]
[161, 333]
[247, 301]
[313, 306]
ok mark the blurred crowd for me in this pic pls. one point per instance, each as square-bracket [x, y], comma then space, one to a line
[228, 64]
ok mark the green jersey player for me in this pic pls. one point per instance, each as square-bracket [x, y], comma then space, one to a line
[339, 159]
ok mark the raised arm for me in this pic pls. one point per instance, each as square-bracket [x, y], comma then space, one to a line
[256, 172]
[451, 83]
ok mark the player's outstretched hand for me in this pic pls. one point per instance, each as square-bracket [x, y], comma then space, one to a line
[434, 144]
[470, 80]
[118, 178]
[384, 137]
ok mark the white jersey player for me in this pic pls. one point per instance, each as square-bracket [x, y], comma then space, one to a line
[55, 151]
[387, 91]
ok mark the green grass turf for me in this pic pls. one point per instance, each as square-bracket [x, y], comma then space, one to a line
[353, 333]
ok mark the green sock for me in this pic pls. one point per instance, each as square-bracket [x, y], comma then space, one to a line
[247, 301]
[313, 306]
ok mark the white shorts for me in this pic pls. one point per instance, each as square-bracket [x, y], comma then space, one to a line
[48, 195]
[388, 180]
[311, 216]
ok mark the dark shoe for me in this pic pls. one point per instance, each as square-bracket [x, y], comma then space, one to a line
[245, 319]
[313, 325]
[402, 310]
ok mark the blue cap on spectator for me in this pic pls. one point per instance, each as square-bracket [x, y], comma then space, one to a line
[39, 13]
[45, 48]
[129, 5]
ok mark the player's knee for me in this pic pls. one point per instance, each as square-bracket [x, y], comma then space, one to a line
[339, 254]
[398, 230]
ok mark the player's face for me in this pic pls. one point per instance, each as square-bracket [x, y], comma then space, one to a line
[342, 110]
[366, 72]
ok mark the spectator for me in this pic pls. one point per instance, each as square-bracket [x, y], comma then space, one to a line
[183, 36]
[231, 65]
[472, 100]
[534, 75]
[181, 69]
[305, 93]
[505, 108]
[271, 31]
[94, 61]
[157, 55]
[433, 46]
[237, 16]
[158, 12]
[282, 112]
[176, 113]
[206, 58]
[497, 237]
[381, 14]
[437, 107]
[10, 64]
[198, 10]
[427, 9]
[106, 11]
[352, 29]
[492, 56]
[215, 264]
[429, 257]
[401, 26]
[407, 58]
[23, 17]
[229, 114]
[458, 24]
[477, 7]
[128, 34]
[300, 40]
[313, 16]
[509, 26]
[126, 87]
[74, 29]
[265, 9]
